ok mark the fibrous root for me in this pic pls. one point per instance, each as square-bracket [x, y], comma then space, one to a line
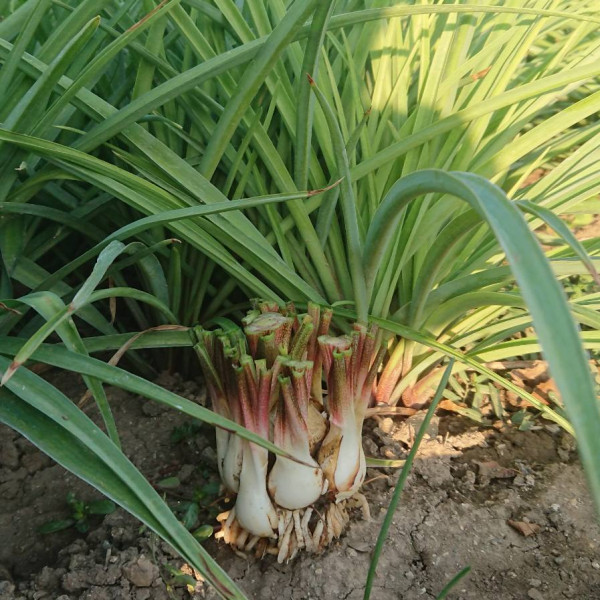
[309, 528]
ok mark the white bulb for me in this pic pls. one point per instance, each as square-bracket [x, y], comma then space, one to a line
[232, 463]
[253, 508]
[293, 485]
[351, 465]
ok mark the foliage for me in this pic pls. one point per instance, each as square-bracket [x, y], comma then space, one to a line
[130, 141]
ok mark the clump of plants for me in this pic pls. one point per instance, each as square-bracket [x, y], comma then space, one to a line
[283, 376]
[194, 180]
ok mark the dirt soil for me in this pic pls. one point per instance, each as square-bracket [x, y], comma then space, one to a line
[511, 505]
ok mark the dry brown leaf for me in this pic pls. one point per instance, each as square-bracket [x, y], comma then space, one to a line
[450, 406]
[116, 357]
[419, 394]
[9, 309]
[400, 411]
[480, 74]
[489, 470]
[524, 528]
[536, 372]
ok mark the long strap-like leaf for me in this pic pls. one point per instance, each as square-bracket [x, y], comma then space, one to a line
[52, 422]
[542, 293]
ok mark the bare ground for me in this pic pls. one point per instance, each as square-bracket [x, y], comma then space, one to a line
[511, 505]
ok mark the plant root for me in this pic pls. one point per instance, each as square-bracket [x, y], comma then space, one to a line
[308, 528]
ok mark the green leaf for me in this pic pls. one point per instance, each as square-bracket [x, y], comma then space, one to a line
[101, 507]
[354, 249]
[78, 445]
[169, 483]
[543, 295]
[387, 522]
[203, 532]
[49, 306]
[105, 259]
[561, 228]
[54, 526]
[25, 36]
[85, 365]
[452, 583]
[190, 516]
[33, 103]
[253, 78]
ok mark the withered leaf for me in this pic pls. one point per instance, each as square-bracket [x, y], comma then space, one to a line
[524, 528]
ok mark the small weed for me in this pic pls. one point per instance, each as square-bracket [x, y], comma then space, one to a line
[81, 514]
[203, 501]
[186, 431]
[176, 577]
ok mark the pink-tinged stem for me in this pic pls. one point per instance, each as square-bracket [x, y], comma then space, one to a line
[301, 386]
[293, 423]
[326, 316]
[275, 371]
[314, 352]
[369, 387]
[245, 400]
[253, 340]
[268, 306]
[390, 375]
[247, 365]
[269, 349]
[213, 383]
[283, 335]
[301, 338]
[208, 339]
[314, 312]
[267, 333]
[370, 352]
[327, 345]
[263, 400]
[340, 397]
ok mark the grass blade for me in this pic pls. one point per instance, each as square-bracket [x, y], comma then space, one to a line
[254, 77]
[561, 229]
[51, 421]
[48, 305]
[387, 522]
[105, 259]
[543, 295]
[85, 365]
[454, 581]
[354, 250]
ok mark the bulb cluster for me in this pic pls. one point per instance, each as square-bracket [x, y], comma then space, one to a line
[283, 376]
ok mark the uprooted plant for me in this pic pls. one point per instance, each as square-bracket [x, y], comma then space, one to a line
[285, 378]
